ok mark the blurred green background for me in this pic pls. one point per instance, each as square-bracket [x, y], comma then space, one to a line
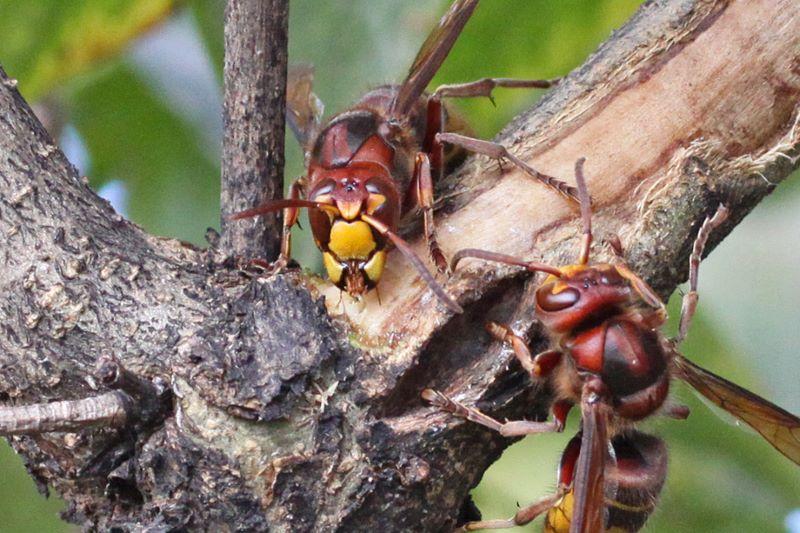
[132, 90]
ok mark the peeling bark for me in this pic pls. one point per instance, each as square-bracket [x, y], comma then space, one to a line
[291, 418]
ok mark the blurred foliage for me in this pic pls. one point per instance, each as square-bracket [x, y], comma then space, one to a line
[22, 508]
[134, 136]
[50, 41]
[150, 123]
[208, 15]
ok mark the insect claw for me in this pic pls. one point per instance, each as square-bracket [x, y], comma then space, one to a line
[500, 165]
[440, 261]
[279, 265]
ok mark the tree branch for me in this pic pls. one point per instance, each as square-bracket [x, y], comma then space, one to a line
[289, 420]
[109, 409]
[136, 401]
[254, 122]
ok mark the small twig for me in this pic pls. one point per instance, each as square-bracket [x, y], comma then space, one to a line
[136, 401]
[110, 410]
[151, 400]
[254, 122]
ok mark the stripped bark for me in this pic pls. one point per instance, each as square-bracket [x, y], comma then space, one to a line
[289, 417]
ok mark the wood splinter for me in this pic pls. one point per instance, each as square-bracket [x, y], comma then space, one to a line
[135, 401]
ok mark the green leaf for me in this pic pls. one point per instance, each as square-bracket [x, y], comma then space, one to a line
[22, 507]
[209, 15]
[45, 43]
[526, 39]
[133, 135]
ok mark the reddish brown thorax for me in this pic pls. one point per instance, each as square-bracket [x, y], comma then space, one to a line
[595, 313]
[582, 294]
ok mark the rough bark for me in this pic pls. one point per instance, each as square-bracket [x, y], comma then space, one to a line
[292, 418]
[253, 119]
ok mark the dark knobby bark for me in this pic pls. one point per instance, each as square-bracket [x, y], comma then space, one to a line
[286, 418]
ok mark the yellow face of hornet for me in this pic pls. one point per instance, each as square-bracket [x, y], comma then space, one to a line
[353, 251]
[352, 261]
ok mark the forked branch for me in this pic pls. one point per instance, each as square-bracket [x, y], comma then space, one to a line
[135, 401]
[292, 421]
